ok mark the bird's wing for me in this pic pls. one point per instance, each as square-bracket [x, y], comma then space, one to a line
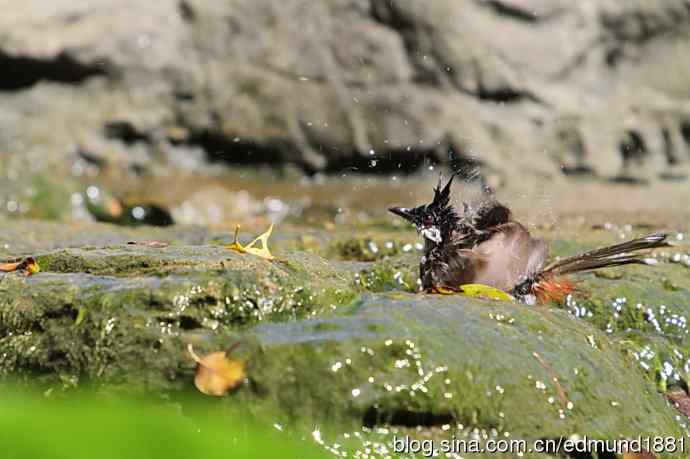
[456, 267]
[490, 214]
[511, 255]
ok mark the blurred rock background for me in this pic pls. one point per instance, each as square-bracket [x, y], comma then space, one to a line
[512, 90]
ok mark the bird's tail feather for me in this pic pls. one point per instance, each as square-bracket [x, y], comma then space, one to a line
[613, 255]
[553, 289]
[550, 284]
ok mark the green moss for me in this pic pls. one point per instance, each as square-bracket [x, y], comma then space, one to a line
[642, 312]
[87, 325]
[449, 361]
[48, 199]
[99, 262]
[399, 273]
[323, 326]
[368, 247]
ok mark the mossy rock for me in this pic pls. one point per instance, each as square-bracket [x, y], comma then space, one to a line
[343, 345]
[482, 364]
[124, 314]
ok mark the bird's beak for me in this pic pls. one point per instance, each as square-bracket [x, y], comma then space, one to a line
[402, 212]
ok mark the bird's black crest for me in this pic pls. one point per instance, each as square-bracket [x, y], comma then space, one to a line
[446, 215]
[441, 196]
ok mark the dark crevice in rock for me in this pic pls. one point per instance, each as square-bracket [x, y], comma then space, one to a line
[613, 56]
[20, 72]
[186, 323]
[511, 11]
[125, 131]
[404, 161]
[626, 179]
[579, 170]
[500, 94]
[401, 161]
[633, 150]
[504, 95]
[206, 300]
[189, 323]
[632, 147]
[219, 148]
[184, 96]
[668, 147]
[186, 11]
[57, 356]
[65, 311]
[685, 131]
[405, 418]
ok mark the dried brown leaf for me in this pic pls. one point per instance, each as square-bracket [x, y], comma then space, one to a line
[217, 374]
[679, 399]
[29, 265]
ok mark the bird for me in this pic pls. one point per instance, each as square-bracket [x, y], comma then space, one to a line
[484, 244]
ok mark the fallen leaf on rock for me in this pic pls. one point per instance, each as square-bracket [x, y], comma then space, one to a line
[29, 265]
[216, 374]
[679, 399]
[262, 252]
[485, 291]
[154, 244]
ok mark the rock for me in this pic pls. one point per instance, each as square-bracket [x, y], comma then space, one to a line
[401, 363]
[342, 344]
[104, 312]
[485, 83]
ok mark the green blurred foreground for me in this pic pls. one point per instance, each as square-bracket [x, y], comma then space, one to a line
[91, 427]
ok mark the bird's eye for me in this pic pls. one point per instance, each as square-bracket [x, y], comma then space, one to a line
[428, 221]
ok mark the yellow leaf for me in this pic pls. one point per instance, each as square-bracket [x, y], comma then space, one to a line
[485, 291]
[216, 374]
[250, 248]
[32, 266]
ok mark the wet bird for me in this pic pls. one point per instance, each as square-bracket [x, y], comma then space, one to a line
[485, 245]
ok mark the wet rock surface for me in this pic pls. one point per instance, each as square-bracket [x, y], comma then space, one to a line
[579, 88]
[339, 339]
[398, 361]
